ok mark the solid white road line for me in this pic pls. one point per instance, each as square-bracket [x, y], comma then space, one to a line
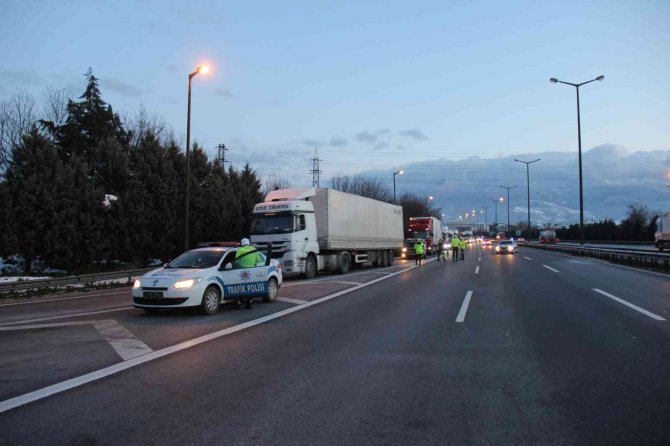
[346, 282]
[292, 301]
[527, 258]
[116, 368]
[64, 316]
[550, 268]
[628, 304]
[122, 341]
[64, 298]
[464, 307]
[477, 270]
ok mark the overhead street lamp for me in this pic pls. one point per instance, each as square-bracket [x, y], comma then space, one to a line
[400, 172]
[579, 140]
[508, 189]
[528, 163]
[429, 197]
[202, 69]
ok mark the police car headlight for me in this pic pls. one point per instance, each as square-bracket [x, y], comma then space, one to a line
[188, 283]
[137, 284]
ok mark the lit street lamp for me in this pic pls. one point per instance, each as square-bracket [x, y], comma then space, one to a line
[429, 197]
[400, 172]
[579, 141]
[527, 163]
[202, 69]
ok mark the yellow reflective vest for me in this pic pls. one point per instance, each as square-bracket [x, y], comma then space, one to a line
[248, 261]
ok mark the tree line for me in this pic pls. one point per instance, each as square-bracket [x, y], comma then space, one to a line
[81, 191]
[638, 225]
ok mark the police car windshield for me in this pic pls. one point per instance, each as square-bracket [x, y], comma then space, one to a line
[272, 224]
[197, 259]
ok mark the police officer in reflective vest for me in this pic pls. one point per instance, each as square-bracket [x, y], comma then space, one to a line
[246, 256]
[455, 246]
[418, 251]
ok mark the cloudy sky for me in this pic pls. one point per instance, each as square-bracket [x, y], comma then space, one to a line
[372, 84]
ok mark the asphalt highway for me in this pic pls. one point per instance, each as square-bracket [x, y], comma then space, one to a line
[532, 348]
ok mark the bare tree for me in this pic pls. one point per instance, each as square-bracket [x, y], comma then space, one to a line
[54, 107]
[143, 122]
[17, 117]
[361, 185]
[274, 181]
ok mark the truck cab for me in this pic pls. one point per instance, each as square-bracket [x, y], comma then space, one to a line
[286, 219]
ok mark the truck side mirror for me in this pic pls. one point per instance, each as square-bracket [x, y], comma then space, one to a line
[268, 258]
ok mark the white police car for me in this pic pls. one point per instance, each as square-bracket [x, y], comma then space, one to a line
[205, 277]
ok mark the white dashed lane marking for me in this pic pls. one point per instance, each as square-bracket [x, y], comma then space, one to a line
[464, 307]
[550, 268]
[630, 305]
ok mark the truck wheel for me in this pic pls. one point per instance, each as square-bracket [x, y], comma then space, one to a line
[391, 258]
[385, 259]
[273, 290]
[345, 263]
[211, 300]
[378, 259]
[310, 267]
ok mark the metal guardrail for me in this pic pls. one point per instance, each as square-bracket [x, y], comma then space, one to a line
[85, 279]
[647, 259]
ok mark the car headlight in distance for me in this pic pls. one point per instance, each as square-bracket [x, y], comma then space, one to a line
[509, 248]
[497, 248]
[137, 284]
[188, 283]
[404, 249]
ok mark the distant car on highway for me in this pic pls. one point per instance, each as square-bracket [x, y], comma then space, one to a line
[506, 247]
[205, 277]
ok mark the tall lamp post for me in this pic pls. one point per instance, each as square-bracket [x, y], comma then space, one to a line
[508, 189]
[496, 200]
[202, 69]
[579, 139]
[528, 163]
[486, 221]
[400, 172]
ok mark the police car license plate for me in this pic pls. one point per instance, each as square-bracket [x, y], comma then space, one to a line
[152, 295]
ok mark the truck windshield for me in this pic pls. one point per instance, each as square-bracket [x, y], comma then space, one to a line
[420, 234]
[272, 224]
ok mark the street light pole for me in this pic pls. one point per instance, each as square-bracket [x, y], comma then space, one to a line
[486, 222]
[429, 197]
[579, 142]
[527, 163]
[508, 189]
[400, 172]
[201, 69]
[496, 200]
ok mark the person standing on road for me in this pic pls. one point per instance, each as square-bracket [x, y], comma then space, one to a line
[418, 251]
[247, 256]
[455, 245]
[462, 248]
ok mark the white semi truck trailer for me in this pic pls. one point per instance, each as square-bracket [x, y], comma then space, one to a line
[315, 230]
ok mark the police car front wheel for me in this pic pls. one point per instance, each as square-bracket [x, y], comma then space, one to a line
[211, 300]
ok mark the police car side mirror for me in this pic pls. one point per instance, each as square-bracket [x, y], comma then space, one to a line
[228, 266]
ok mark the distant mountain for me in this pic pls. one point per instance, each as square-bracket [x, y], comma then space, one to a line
[613, 179]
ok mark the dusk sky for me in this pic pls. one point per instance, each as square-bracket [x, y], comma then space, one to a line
[373, 84]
